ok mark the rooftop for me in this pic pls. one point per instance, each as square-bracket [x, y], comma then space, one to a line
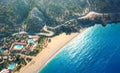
[34, 37]
[4, 71]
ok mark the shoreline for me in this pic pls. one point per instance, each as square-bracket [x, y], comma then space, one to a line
[59, 50]
[46, 55]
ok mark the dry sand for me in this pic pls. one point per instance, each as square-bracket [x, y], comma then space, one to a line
[46, 54]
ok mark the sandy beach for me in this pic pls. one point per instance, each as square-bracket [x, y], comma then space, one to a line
[56, 44]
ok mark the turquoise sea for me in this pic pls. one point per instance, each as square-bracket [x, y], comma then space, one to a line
[97, 50]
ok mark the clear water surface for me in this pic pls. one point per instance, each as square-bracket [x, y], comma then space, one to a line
[97, 50]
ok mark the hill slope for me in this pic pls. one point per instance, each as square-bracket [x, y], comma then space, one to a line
[32, 15]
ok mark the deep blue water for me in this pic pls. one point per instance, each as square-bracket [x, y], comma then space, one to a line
[97, 50]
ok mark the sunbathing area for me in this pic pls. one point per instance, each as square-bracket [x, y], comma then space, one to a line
[21, 50]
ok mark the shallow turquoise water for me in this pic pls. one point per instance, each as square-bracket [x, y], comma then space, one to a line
[97, 50]
[30, 41]
[12, 66]
[18, 46]
[2, 50]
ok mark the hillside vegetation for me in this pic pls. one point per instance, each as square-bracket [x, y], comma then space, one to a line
[32, 15]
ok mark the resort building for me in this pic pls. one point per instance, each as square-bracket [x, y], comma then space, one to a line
[32, 41]
[11, 67]
[5, 57]
[25, 46]
[5, 71]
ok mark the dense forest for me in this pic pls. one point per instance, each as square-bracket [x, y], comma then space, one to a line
[32, 15]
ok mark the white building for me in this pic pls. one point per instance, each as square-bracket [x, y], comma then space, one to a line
[5, 71]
